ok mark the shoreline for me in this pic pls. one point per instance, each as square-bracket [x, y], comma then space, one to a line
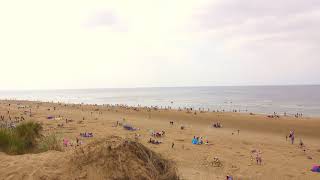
[228, 118]
[171, 108]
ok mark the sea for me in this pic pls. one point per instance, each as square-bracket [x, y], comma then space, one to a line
[255, 99]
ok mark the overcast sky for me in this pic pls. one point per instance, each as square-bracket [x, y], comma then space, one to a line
[102, 44]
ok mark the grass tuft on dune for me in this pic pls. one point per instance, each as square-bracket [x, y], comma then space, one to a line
[26, 138]
[21, 139]
[50, 142]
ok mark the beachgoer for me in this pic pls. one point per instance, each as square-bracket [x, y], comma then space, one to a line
[258, 157]
[229, 177]
[172, 145]
[65, 142]
[194, 140]
[301, 144]
[292, 137]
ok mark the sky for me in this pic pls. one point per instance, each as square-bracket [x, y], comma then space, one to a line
[158, 43]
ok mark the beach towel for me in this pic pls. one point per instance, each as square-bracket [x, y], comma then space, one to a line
[129, 127]
[316, 169]
[86, 135]
[50, 117]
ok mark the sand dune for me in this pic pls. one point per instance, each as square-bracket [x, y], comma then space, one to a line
[280, 159]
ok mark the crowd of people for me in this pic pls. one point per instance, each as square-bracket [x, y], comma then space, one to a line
[158, 133]
[199, 140]
[298, 115]
[10, 122]
[154, 141]
[217, 125]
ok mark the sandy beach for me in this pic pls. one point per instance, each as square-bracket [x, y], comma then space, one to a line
[241, 133]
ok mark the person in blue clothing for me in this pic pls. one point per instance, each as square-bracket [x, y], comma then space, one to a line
[194, 140]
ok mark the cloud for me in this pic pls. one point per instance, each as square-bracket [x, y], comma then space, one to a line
[247, 23]
[159, 43]
[275, 41]
[102, 18]
[227, 12]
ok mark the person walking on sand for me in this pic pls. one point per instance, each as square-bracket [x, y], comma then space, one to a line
[291, 136]
[258, 157]
[301, 145]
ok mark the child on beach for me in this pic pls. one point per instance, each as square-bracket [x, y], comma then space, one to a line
[65, 142]
[258, 157]
[201, 141]
[301, 145]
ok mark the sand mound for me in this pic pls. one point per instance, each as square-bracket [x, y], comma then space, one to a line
[117, 158]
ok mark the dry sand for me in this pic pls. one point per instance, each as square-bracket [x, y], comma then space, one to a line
[281, 160]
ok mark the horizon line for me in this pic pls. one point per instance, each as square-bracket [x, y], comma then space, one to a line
[153, 87]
